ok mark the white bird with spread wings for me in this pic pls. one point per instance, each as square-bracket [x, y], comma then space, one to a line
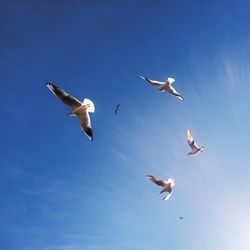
[166, 184]
[165, 86]
[193, 145]
[80, 109]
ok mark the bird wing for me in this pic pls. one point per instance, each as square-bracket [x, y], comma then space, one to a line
[64, 96]
[167, 196]
[190, 140]
[170, 80]
[153, 82]
[85, 124]
[174, 92]
[117, 108]
[157, 181]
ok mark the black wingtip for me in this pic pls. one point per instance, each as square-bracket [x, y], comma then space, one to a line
[51, 84]
[145, 78]
[89, 134]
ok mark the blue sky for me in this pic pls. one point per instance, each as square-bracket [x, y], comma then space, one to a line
[60, 191]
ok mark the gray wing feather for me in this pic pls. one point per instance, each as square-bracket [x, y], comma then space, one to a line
[157, 181]
[153, 82]
[85, 124]
[64, 96]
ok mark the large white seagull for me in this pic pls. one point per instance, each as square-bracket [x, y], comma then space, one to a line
[193, 145]
[165, 86]
[80, 109]
[167, 185]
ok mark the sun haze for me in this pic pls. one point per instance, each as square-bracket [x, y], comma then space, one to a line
[60, 190]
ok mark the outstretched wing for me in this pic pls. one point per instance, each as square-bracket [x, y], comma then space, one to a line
[153, 82]
[64, 96]
[175, 93]
[167, 196]
[156, 180]
[85, 124]
[190, 140]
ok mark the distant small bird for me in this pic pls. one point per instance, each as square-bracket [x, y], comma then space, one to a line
[117, 108]
[194, 147]
[165, 86]
[181, 218]
[166, 184]
[78, 108]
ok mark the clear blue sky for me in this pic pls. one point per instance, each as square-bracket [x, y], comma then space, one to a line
[60, 191]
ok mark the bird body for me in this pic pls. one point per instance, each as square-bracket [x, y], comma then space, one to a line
[167, 185]
[165, 86]
[80, 109]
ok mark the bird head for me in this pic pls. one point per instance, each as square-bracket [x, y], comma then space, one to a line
[171, 182]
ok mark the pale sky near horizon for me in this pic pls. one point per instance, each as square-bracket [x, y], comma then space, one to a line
[60, 191]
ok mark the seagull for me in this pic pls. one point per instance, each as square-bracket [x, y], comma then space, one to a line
[117, 108]
[80, 109]
[195, 148]
[165, 86]
[181, 218]
[166, 184]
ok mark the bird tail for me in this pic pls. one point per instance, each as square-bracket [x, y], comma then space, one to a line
[72, 112]
[91, 106]
[160, 90]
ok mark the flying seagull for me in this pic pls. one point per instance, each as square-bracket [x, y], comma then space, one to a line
[80, 109]
[165, 86]
[117, 108]
[195, 148]
[166, 184]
